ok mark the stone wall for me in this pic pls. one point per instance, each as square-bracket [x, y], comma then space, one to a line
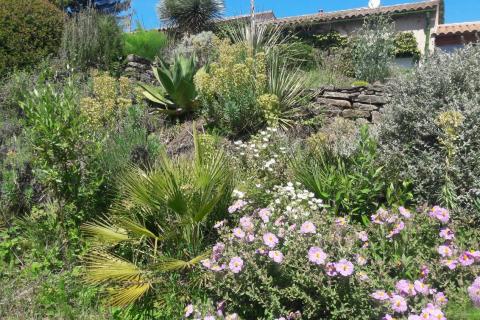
[364, 103]
[139, 69]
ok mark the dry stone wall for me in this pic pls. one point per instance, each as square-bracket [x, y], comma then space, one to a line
[139, 69]
[363, 103]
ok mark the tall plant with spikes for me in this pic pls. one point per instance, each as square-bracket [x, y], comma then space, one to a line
[158, 225]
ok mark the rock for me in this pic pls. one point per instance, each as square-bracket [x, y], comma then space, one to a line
[182, 143]
[334, 102]
[352, 113]
[365, 107]
[371, 99]
[336, 95]
[138, 59]
[361, 121]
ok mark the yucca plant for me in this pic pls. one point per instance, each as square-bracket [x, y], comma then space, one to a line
[160, 224]
[191, 16]
[177, 92]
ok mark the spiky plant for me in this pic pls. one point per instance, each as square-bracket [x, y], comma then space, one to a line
[190, 16]
[159, 224]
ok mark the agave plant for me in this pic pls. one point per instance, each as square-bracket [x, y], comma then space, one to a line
[192, 16]
[177, 92]
[159, 223]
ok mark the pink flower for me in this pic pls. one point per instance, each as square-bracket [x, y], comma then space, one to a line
[209, 318]
[363, 236]
[398, 228]
[414, 317]
[439, 213]
[388, 317]
[207, 263]
[250, 237]
[236, 264]
[264, 214]
[276, 256]
[361, 261]
[475, 255]
[270, 240]
[239, 233]
[188, 310]
[344, 267]
[362, 276]
[451, 264]
[445, 251]
[341, 222]
[330, 269]
[308, 227]
[399, 304]
[380, 295]
[237, 205]
[404, 212]
[380, 217]
[447, 234]
[421, 287]
[246, 223]
[432, 312]
[219, 224]
[218, 250]
[440, 299]
[405, 287]
[232, 316]
[316, 255]
[424, 271]
[466, 259]
[292, 227]
[474, 292]
[217, 268]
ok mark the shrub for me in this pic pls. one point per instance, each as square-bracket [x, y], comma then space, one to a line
[200, 46]
[422, 134]
[29, 32]
[230, 87]
[144, 43]
[373, 49]
[91, 39]
[292, 259]
[346, 174]
[406, 45]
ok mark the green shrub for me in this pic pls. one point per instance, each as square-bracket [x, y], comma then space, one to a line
[342, 170]
[200, 46]
[431, 129]
[406, 45]
[91, 39]
[144, 43]
[30, 30]
[374, 49]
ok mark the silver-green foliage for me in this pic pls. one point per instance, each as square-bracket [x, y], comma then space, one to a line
[411, 134]
[374, 49]
[201, 46]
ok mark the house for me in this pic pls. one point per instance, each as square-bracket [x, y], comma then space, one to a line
[424, 19]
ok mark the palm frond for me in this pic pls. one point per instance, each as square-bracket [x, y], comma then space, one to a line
[104, 232]
[136, 228]
[167, 264]
[124, 296]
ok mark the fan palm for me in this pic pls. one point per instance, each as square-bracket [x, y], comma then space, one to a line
[191, 16]
[162, 217]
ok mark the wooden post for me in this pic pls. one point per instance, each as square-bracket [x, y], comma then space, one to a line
[252, 16]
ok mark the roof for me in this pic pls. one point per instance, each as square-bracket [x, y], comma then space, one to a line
[259, 16]
[360, 13]
[457, 28]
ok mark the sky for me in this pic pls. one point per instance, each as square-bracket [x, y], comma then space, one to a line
[455, 10]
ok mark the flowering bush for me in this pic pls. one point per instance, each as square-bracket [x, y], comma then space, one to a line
[293, 259]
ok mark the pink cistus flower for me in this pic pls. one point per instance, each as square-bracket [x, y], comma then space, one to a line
[207, 263]
[404, 212]
[239, 233]
[219, 224]
[474, 292]
[362, 276]
[432, 312]
[380, 295]
[361, 261]
[447, 234]
[209, 318]
[380, 216]
[440, 299]
[330, 269]
[398, 303]
[398, 228]
[341, 222]
[217, 250]
[440, 214]
[362, 236]
[414, 317]
[188, 310]
[466, 259]
[270, 240]
[344, 267]
[264, 214]
[217, 267]
[316, 255]
[308, 227]
[405, 287]
[237, 205]
[276, 256]
[232, 316]
[424, 271]
[236, 264]
[449, 263]
[388, 317]
[421, 287]
[246, 223]
[445, 251]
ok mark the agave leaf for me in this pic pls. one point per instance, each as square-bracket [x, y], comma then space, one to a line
[155, 95]
[124, 296]
[103, 231]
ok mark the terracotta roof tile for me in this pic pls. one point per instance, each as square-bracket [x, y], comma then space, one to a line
[457, 28]
[360, 13]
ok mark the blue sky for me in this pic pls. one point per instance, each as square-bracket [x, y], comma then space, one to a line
[455, 11]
